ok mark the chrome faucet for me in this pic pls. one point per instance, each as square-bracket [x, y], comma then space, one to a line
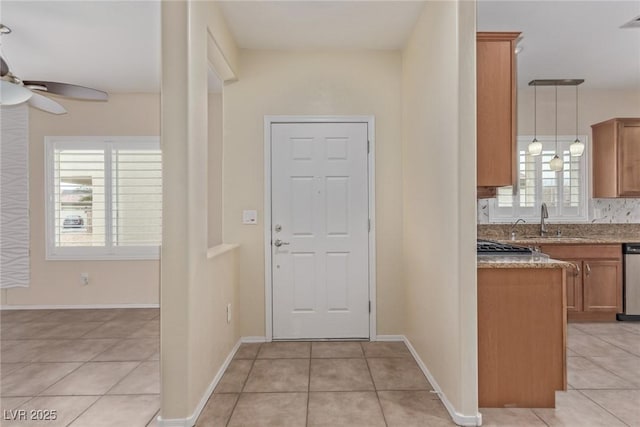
[513, 227]
[544, 213]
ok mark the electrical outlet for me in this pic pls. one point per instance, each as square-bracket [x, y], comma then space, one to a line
[84, 279]
[228, 313]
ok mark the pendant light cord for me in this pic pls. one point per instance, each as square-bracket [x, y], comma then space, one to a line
[535, 110]
[576, 112]
[556, 120]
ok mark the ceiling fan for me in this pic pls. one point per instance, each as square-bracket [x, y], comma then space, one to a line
[14, 90]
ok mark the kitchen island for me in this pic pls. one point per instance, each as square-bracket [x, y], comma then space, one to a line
[522, 331]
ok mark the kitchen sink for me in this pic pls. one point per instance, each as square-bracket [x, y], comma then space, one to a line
[566, 238]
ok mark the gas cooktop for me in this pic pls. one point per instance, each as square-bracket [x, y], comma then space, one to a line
[488, 247]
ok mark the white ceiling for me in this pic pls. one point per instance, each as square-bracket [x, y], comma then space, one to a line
[321, 24]
[107, 45]
[571, 40]
[115, 45]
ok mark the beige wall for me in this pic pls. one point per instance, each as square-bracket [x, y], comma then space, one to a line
[195, 338]
[111, 282]
[438, 127]
[320, 83]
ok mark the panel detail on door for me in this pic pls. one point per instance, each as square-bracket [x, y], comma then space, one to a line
[301, 148]
[338, 281]
[337, 194]
[303, 281]
[337, 148]
[302, 205]
[320, 249]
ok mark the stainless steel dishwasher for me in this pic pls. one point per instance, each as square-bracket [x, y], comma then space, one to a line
[631, 282]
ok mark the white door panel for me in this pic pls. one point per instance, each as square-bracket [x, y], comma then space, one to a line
[320, 202]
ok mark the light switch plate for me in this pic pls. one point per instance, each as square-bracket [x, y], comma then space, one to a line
[250, 217]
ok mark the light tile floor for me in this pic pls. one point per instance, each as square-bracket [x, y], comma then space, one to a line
[100, 368]
[371, 384]
[93, 367]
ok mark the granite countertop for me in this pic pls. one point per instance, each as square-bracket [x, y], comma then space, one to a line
[523, 262]
[571, 234]
[569, 240]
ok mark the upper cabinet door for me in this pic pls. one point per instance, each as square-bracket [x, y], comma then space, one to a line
[496, 109]
[629, 158]
[616, 158]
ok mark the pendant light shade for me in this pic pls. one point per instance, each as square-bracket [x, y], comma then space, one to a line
[13, 94]
[556, 164]
[535, 147]
[576, 148]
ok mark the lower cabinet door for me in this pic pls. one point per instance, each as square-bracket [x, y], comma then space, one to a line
[602, 289]
[574, 286]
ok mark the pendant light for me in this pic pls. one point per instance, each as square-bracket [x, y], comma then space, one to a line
[556, 164]
[535, 147]
[577, 147]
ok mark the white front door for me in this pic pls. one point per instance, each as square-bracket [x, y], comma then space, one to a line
[319, 230]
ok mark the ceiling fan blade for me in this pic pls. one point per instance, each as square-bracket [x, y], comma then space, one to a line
[13, 94]
[69, 90]
[45, 104]
[4, 67]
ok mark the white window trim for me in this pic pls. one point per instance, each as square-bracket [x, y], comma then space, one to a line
[53, 253]
[497, 218]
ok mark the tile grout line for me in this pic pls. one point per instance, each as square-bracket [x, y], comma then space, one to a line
[85, 410]
[608, 343]
[306, 422]
[603, 408]
[375, 387]
[253, 362]
[124, 376]
[605, 368]
[538, 417]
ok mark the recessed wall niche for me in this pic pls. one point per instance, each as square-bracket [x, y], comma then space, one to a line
[214, 153]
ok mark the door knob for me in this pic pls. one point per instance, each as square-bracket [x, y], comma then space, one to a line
[277, 243]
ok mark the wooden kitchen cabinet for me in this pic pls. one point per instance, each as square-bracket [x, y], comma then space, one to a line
[574, 286]
[616, 158]
[602, 286]
[496, 110]
[594, 289]
[521, 337]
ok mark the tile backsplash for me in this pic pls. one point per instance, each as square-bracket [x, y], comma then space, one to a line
[601, 211]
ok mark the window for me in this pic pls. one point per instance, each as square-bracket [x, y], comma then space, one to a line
[565, 192]
[103, 197]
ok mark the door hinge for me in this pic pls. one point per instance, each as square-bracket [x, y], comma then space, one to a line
[369, 306]
[368, 146]
[369, 224]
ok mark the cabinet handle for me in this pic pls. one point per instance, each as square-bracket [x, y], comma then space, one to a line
[586, 267]
[577, 273]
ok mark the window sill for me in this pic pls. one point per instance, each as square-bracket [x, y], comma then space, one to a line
[87, 255]
[220, 249]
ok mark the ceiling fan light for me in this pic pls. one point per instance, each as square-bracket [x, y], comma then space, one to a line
[535, 147]
[13, 94]
[556, 164]
[576, 148]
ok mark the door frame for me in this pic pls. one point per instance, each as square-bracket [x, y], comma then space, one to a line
[268, 284]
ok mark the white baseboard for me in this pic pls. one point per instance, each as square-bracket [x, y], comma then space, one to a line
[191, 421]
[253, 339]
[179, 422]
[458, 418]
[75, 307]
[390, 338]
